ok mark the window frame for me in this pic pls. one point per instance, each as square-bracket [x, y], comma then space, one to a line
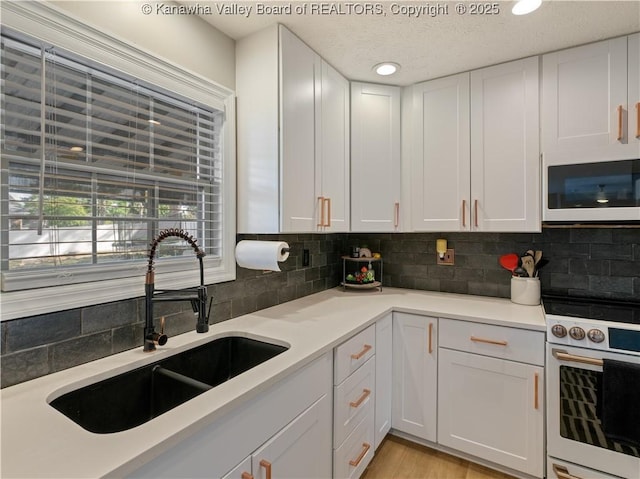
[48, 24]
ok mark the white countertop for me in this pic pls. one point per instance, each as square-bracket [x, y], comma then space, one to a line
[39, 441]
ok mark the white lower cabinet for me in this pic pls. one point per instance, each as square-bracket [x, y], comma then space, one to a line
[286, 429]
[415, 375]
[384, 377]
[491, 407]
[353, 404]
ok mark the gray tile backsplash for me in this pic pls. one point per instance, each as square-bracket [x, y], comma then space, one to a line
[601, 262]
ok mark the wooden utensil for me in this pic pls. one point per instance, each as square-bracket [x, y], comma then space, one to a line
[528, 265]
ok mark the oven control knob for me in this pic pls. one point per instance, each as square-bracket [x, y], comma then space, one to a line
[559, 331]
[577, 332]
[595, 335]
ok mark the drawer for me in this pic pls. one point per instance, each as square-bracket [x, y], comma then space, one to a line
[353, 353]
[490, 340]
[352, 400]
[355, 454]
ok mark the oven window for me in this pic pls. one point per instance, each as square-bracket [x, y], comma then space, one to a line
[579, 412]
[595, 185]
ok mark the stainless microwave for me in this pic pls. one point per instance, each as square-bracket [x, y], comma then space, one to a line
[592, 192]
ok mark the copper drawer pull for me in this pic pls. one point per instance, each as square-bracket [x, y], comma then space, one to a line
[535, 391]
[620, 111]
[365, 395]
[563, 356]
[563, 473]
[246, 475]
[364, 351]
[488, 341]
[430, 338]
[321, 218]
[328, 201]
[396, 215]
[638, 120]
[267, 468]
[464, 213]
[365, 449]
[475, 213]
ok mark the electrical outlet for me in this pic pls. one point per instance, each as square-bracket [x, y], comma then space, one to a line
[448, 258]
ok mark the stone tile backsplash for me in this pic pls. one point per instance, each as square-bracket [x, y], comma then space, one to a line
[601, 262]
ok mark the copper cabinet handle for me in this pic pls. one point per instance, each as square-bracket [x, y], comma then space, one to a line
[564, 356]
[563, 473]
[535, 391]
[638, 120]
[328, 201]
[430, 338]
[620, 135]
[267, 468]
[464, 213]
[365, 395]
[396, 215]
[475, 213]
[488, 341]
[246, 475]
[321, 218]
[364, 351]
[357, 460]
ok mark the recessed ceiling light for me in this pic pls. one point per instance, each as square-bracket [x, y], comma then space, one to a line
[386, 68]
[522, 7]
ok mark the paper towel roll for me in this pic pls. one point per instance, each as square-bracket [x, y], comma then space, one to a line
[263, 255]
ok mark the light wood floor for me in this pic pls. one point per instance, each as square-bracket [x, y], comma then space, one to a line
[398, 458]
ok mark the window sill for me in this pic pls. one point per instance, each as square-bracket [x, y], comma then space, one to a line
[20, 304]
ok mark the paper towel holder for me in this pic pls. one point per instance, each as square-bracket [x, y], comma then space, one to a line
[285, 250]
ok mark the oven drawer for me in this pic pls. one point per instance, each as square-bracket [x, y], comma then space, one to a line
[490, 340]
[353, 353]
[557, 469]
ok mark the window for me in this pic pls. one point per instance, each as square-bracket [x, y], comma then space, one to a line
[94, 164]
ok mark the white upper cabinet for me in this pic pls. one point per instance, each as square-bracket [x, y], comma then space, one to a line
[334, 150]
[590, 97]
[505, 148]
[475, 162]
[375, 158]
[441, 168]
[293, 137]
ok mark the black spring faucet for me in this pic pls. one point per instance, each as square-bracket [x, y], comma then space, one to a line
[197, 296]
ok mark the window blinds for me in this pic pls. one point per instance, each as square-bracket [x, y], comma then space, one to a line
[94, 164]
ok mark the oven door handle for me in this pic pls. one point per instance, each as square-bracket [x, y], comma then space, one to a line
[564, 356]
[563, 473]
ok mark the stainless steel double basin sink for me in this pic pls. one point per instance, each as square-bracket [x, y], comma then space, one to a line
[132, 398]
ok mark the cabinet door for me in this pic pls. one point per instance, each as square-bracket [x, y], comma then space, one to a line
[440, 167]
[582, 89]
[375, 157]
[301, 449]
[300, 87]
[505, 151]
[415, 377]
[333, 164]
[384, 374]
[493, 409]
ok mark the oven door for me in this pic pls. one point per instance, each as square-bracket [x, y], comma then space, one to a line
[574, 432]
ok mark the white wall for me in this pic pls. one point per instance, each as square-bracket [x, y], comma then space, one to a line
[185, 40]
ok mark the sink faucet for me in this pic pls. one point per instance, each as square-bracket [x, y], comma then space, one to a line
[197, 296]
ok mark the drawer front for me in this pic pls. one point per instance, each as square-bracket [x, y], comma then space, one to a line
[355, 454]
[490, 340]
[352, 400]
[353, 353]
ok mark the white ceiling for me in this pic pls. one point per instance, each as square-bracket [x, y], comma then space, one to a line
[431, 47]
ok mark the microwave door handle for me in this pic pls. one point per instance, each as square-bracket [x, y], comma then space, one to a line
[564, 356]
